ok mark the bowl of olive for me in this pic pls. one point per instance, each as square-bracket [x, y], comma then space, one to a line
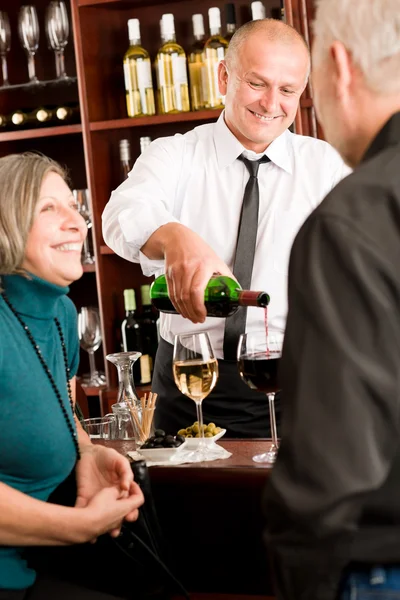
[162, 447]
[212, 433]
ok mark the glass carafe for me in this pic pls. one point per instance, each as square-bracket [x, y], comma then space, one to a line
[128, 408]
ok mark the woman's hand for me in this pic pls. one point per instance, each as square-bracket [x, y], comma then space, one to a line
[101, 468]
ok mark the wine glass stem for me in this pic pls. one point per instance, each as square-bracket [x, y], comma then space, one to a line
[199, 411]
[31, 67]
[92, 365]
[87, 258]
[4, 70]
[274, 435]
[60, 64]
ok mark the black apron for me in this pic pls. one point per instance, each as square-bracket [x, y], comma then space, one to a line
[232, 405]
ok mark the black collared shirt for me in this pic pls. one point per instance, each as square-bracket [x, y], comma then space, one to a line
[334, 494]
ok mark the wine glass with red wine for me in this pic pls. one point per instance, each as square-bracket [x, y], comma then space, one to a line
[258, 362]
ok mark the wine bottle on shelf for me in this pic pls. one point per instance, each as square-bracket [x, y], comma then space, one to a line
[137, 73]
[148, 322]
[171, 70]
[38, 116]
[214, 51]
[66, 113]
[132, 339]
[257, 11]
[223, 296]
[197, 67]
[5, 121]
[230, 15]
[144, 142]
[125, 158]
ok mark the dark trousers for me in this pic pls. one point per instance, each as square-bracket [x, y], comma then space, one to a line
[53, 589]
[232, 405]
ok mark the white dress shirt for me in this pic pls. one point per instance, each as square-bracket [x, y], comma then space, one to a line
[196, 179]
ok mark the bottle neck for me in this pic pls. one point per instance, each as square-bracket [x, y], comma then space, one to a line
[130, 312]
[135, 41]
[199, 37]
[250, 298]
[231, 28]
[214, 30]
[168, 37]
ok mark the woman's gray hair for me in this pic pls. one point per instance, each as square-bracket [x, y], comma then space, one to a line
[370, 30]
[21, 177]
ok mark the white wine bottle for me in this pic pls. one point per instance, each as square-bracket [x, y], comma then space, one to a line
[66, 113]
[125, 158]
[171, 69]
[230, 15]
[137, 73]
[214, 51]
[197, 66]
[144, 142]
[257, 10]
[38, 116]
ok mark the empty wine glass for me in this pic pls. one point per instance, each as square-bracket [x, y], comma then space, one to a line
[57, 32]
[82, 200]
[5, 44]
[89, 331]
[195, 370]
[258, 361]
[28, 29]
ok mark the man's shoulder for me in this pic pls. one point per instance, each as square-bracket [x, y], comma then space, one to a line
[313, 147]
[180, 141]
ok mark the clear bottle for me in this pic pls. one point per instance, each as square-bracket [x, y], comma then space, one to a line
[257, 11]
[144, 141]
[171, 70]
[214, 51]
[197, 67]
[125, 158]
[137, 73]
[230, 17]
[223, 296]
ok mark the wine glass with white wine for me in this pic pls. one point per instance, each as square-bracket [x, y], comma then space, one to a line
[28, 29]
[195, 370]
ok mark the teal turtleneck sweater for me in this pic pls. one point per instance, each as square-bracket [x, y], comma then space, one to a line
[36, 447]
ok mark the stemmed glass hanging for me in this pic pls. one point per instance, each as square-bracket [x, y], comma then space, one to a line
[57, 32]
[89, 332]
[5, 44]
[28, 29]
[82, 199]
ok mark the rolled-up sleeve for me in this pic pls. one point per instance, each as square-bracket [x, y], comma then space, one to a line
[144, 202]
[340, 404]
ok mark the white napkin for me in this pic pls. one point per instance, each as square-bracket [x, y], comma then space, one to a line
[185, 456]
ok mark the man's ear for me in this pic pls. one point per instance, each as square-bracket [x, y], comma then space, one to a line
[342, 69]
[222, 78]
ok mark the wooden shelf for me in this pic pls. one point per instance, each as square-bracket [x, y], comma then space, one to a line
[33, 87]
[89, 268]
[26, 134]
[106, 250]
[201, 115]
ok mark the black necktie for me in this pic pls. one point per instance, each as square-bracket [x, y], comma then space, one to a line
[244, 257]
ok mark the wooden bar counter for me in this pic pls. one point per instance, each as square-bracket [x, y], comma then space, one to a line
[211, 516]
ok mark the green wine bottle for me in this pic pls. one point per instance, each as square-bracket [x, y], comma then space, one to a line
[223, 296]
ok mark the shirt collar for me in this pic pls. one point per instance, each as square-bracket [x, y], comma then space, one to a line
[228, 147]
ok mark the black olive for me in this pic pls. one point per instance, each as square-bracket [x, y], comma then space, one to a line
[169, 439]
[158, 446]
[159, 433]
[180, 438]
[177, 443]
[159, 440]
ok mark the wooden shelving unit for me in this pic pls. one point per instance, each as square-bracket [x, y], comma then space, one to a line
[89, 150]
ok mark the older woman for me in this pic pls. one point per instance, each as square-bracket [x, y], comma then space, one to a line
[41, 442]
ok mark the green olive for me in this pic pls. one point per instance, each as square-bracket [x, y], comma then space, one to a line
[189, 435]
[212, 425]
[208, 435]
[182, 432]
[195, 429]
[189, 430]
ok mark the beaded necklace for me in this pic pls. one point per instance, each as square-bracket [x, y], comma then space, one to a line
[46, 369]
